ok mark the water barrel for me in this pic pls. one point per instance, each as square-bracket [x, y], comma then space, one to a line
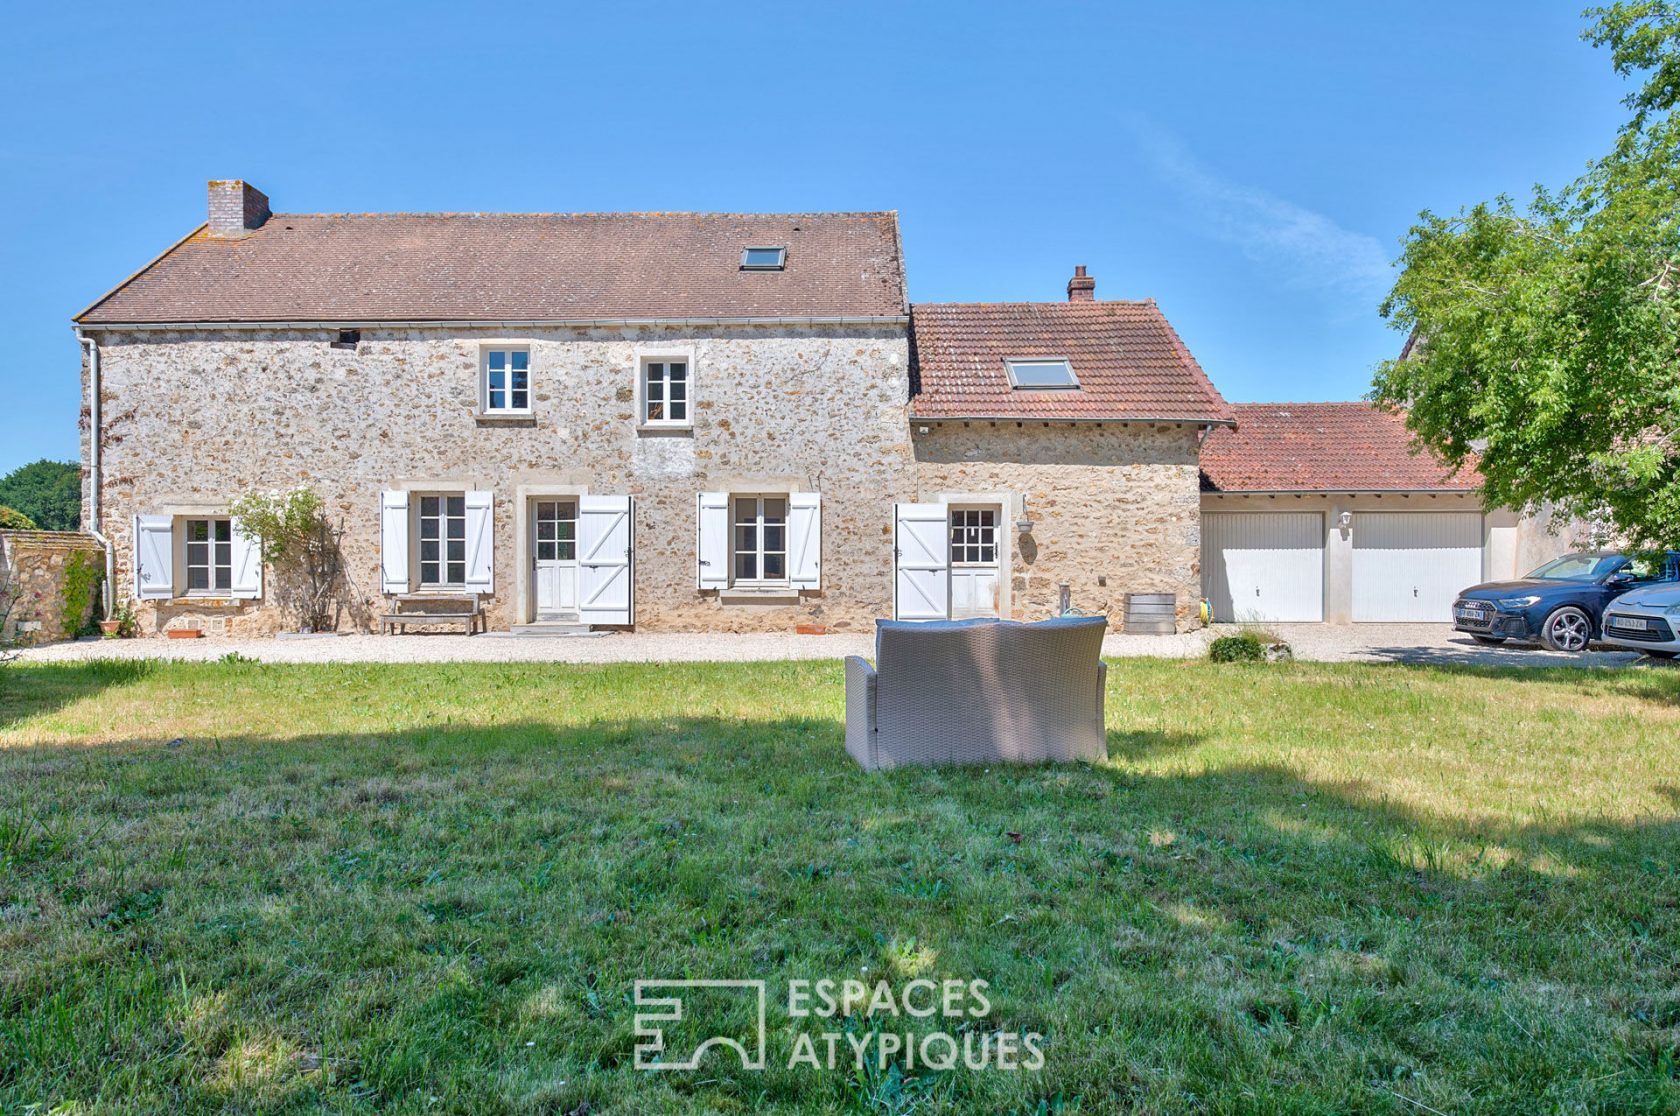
[1151, 613]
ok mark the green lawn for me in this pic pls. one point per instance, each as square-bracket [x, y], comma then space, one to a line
[1303, 887]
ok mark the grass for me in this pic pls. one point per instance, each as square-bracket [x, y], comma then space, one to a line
[1296, 887]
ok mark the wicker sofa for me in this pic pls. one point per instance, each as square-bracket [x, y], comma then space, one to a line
[978, 691]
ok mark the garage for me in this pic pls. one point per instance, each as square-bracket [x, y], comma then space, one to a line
[1410, 566]
[1264, 566]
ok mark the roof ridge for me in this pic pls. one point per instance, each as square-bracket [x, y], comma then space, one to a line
[873, 213]
[1046, 302]
[1366, 403]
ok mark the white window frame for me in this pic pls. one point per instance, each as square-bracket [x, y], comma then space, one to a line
[1009, 364]
[779, 265]
[484, 388]
[644, 366]
[975, 538]
[735, 523]
[184, 561]
[417, 516]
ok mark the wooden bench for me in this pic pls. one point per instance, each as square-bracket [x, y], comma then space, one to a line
[433, 608]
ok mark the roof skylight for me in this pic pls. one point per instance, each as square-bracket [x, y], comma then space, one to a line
[763, 259]
[1040, 373]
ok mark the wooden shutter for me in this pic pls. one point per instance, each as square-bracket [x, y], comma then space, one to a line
[247, 565]
[154, 557]
[711, 540]
[393, 542]
[805, 540]
[606, 574]
[921, 562]
[481, 537]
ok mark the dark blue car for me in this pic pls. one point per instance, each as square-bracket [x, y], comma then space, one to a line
[1560, 604]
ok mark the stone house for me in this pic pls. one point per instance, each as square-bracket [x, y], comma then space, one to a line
[676, 421]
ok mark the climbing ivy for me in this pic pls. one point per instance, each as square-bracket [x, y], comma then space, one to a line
[83, 570]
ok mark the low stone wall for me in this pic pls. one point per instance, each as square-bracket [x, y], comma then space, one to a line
[53, 578]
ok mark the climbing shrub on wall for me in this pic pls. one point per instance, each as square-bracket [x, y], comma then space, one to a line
[83, 570]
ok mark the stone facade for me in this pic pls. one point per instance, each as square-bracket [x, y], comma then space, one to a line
[194, 419]
[1114, 507]
[51, 578]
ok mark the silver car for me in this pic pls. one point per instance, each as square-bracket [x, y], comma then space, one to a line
[1645, 620]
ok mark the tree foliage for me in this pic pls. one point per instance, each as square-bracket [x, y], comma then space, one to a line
[48, 492]
[13, 520]
[1546, 337]
[302, 545]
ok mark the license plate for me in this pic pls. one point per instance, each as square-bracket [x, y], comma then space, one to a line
[1631, 623]
[1470, 614]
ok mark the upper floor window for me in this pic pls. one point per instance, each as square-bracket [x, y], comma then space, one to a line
[665, 394]
[507, 380]
[1041, 373]
[763, 259]
[209, 555]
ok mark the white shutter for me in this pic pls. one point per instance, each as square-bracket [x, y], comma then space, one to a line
[393, 542]
[154, 557]
[481, 550]
[921, 562]
[247, 564]
[805, 540]
[606, 574]
[711, 540]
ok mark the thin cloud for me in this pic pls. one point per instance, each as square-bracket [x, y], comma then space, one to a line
[1310, 248]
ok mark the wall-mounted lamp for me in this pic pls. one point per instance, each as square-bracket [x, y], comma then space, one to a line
[1025, 524]
[1345, 520]
[921, 430]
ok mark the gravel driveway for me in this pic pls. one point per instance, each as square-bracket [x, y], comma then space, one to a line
[1411, 643]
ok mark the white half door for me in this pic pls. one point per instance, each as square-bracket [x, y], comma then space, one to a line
[554, 557]
[921, 562]
[974, 561]
[1264, 566]
[1409, 566]
[606, 576]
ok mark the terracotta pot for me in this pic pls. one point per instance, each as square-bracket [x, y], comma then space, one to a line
[184, 633]
[110, 627]
[810, 629]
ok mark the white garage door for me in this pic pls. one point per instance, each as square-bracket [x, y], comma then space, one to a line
[1409, 566]
[1264, 566]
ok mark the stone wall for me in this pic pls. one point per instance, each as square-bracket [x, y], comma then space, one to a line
[52, 578]
[194, 419]
[1114, 508]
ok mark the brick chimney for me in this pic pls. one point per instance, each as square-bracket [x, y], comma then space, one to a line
[1081, 288]
[236, 208]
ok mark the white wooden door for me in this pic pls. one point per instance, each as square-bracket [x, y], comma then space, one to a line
[1410, 566]
[1264, 566]
[974, 562]
[554, 556]
[921, 562]
[606, 575]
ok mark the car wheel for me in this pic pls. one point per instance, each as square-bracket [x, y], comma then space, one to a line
[1491, 641]
[1567, 629]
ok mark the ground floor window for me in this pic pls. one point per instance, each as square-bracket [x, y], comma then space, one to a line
[974, 536]
[556, 530]
[209, 555]
[760, 538]
[443, 540]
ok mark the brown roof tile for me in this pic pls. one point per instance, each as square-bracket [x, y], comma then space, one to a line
[1129, 362]
[351, 268]
[1322, 447]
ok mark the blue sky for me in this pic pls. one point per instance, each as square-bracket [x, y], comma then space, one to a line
[1251, 166]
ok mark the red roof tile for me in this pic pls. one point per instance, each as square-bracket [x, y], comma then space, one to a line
[1322, 447]
[1129, 362]
[350, 268]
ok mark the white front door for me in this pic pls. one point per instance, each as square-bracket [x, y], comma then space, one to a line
[1409, 566]
[921, 562]
[554, 556]
[974, 562]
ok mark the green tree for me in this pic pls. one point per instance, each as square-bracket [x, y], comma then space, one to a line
[48, 492]
[1546, 337]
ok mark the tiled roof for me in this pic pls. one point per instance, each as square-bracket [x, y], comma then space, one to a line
[1322, 447]
[351, 268]
[1129, 362]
